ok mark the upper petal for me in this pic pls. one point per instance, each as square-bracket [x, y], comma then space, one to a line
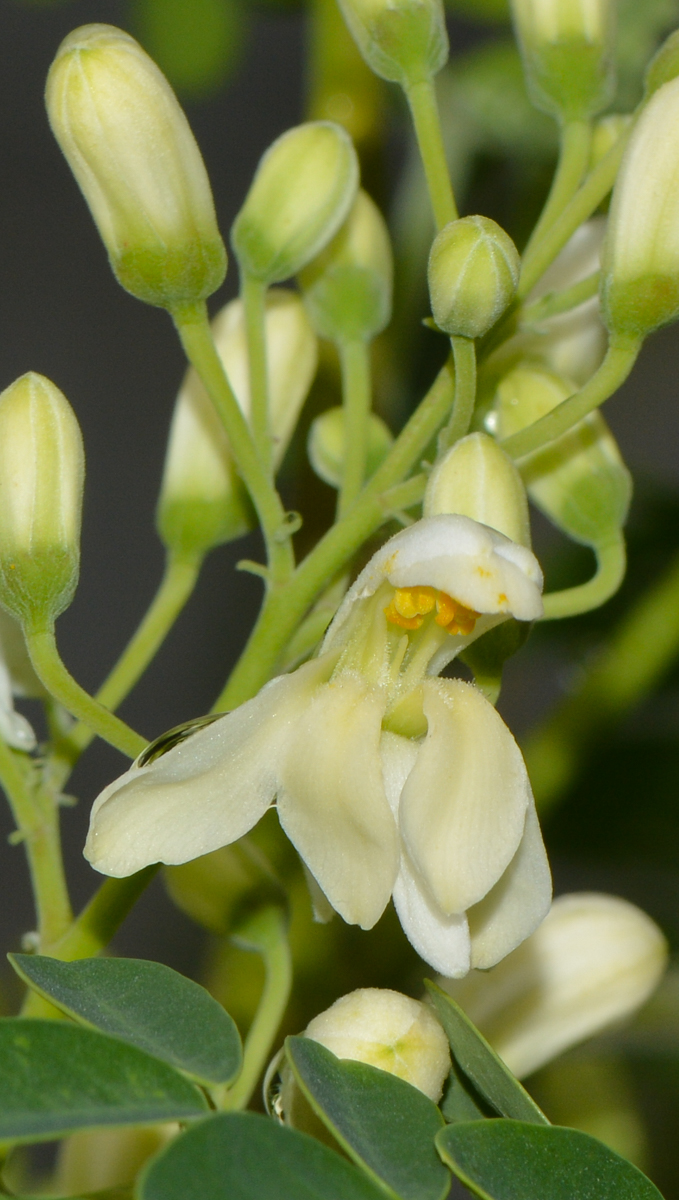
[331, 800]
[464, 803]
[515, 907]
[207, 791]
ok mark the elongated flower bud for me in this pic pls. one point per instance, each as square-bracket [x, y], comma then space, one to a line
[594, 960]
[41, 482]
[327, 445]
[303, 189]
[202, 500]
[664, 66]
[130, 147]
[641, 253]
[567, 48]
[348, 287]
[473, 272]
[477, 479]
[579, 481]
[404, 41]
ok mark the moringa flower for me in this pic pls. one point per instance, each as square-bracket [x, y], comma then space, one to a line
[385, 778]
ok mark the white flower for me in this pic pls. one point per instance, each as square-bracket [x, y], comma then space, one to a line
[17, 678]
[385, 778]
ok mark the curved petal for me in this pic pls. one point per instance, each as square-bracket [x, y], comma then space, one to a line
[331, 800]
[441, 941]
[464, 803]
[207, 791]
[515, 907]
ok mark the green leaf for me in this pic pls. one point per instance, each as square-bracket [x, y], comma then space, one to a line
[143, 1003]
[481, 1064]
[461, 1101]
[242, 1156]
[514, 1160]
[56, 1078]
[386, 1125]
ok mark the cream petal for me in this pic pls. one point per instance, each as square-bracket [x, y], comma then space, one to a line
[441, 941]
[331, 800]
[14, 728]
[515, 907]
[207, 791]
[464, 803]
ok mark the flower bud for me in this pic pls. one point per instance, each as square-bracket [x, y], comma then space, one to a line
[202, 499]
[641, 252]
[477, 479]
[579, 481]
[326, 445]
[605, 134]
[664, 66]
[473, 273]
[567, 48]
[592, 963]
[42, 470]
[94, 1160]
[130, 147]
[303, 189]
[348, 287]
[404, 41]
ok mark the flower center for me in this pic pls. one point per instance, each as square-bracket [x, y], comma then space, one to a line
[409, 607]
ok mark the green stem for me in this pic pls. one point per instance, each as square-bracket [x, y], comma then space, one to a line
[37, 818]
[253, 294]
[265, 933]
[49, 668]
[283, 610]
[424, 110]
[357, 401]
[610, 572]
[464, 355]
[620, 358]
[596, 187]
[574, 151]
[194, 331]
[555, 303]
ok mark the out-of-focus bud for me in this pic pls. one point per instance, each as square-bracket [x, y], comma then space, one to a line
[327, 445]
[605, 134]
[572, 343]
[641, 252]
[592, 963]
[215, 888]
[99, 1159]
[348, 287]
[42, 468]
[17, 678]
[303, 188]
[130, 147]
[404, 41]
[202, 499]
[579, 481]
[473, 273]
[567, 48]
[664, 66]
[477, 479]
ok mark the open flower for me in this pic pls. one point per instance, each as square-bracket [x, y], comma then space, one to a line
[386, 779]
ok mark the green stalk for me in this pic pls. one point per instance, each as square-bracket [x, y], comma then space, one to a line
[194, 331]
[49, 668]
[620, 358]
[574, 151]
[253, 295]
[464, 355]
[357, 401]
[555, 303]
[424, 110]
[611, 563]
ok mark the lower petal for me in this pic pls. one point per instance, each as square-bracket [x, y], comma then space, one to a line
[517, 904]
[331, 800]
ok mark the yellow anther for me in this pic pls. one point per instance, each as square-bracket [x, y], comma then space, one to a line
[415, 601]
[409, 607]
[453, 616]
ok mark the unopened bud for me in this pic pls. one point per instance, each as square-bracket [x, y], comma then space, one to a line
[42, 469]
[473, 273]
[567, 48]
[348, 287]
[593, 961]
[130, 147]
[579, 481]
[327, 445]
[664, 66]
[202, 500]
[605, 134]
[477, 479]
[641, 253]
[303, 189]
[404, 41]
